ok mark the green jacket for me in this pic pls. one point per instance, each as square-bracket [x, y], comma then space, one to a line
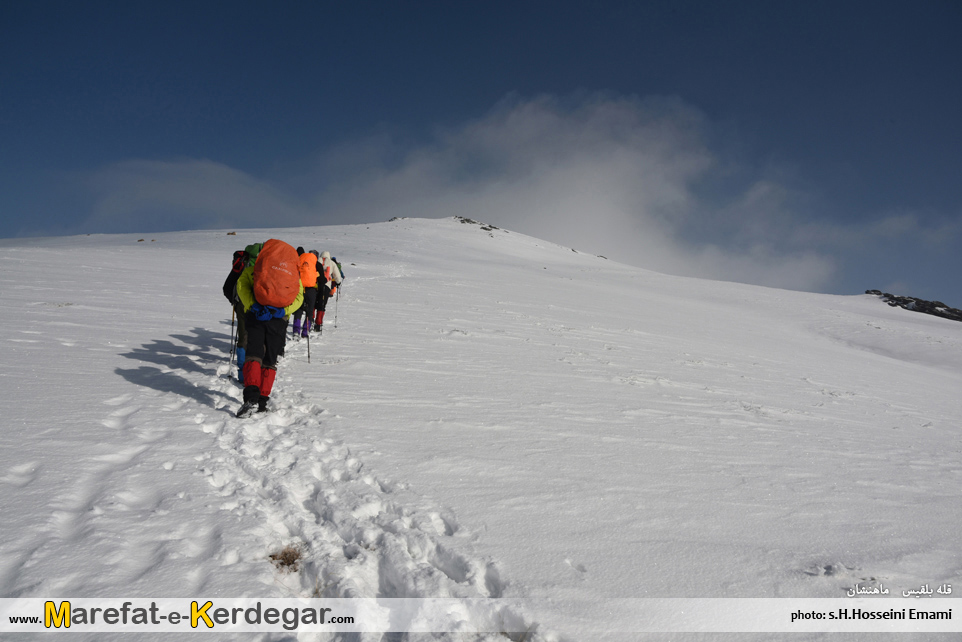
[245, 292]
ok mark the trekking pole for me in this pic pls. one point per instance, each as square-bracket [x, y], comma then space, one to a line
[337, 297]
[308, 345]
[233, 343]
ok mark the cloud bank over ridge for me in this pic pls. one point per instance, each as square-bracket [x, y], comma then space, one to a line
[627, 178]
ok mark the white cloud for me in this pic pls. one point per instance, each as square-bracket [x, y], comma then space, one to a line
[198, 193]
[611, 176]
[620, 177]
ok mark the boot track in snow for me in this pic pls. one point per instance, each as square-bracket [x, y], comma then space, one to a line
[354, 535]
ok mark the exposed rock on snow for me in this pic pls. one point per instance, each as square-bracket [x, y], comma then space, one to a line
[936, 308]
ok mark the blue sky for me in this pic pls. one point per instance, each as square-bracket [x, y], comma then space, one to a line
[814, 145]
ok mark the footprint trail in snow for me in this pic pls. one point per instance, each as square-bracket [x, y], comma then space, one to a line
[356, 535]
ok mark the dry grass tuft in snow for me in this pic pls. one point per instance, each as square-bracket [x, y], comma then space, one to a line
[287, 559]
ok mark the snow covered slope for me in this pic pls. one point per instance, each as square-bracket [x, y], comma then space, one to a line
[493, 415]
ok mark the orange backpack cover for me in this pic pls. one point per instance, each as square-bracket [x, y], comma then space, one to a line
[276, 278]
[308, 269]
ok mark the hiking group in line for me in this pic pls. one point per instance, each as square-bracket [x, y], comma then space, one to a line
[268, 283]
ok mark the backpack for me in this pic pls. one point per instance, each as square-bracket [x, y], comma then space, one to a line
[238, 265]
[339, 268]
[277, 281]
[308, 272]
[240, 261]
[251, 252]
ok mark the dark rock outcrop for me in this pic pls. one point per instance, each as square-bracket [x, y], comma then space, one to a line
[935, 308]
[471, 221]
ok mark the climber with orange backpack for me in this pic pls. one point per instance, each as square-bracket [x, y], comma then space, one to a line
[307, 266]
[270, 290]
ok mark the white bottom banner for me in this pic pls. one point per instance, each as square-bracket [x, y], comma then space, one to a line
[672, 615]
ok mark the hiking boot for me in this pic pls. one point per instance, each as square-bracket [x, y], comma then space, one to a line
[246, 409]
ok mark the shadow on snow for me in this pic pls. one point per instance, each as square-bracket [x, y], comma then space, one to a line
[198, 353]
